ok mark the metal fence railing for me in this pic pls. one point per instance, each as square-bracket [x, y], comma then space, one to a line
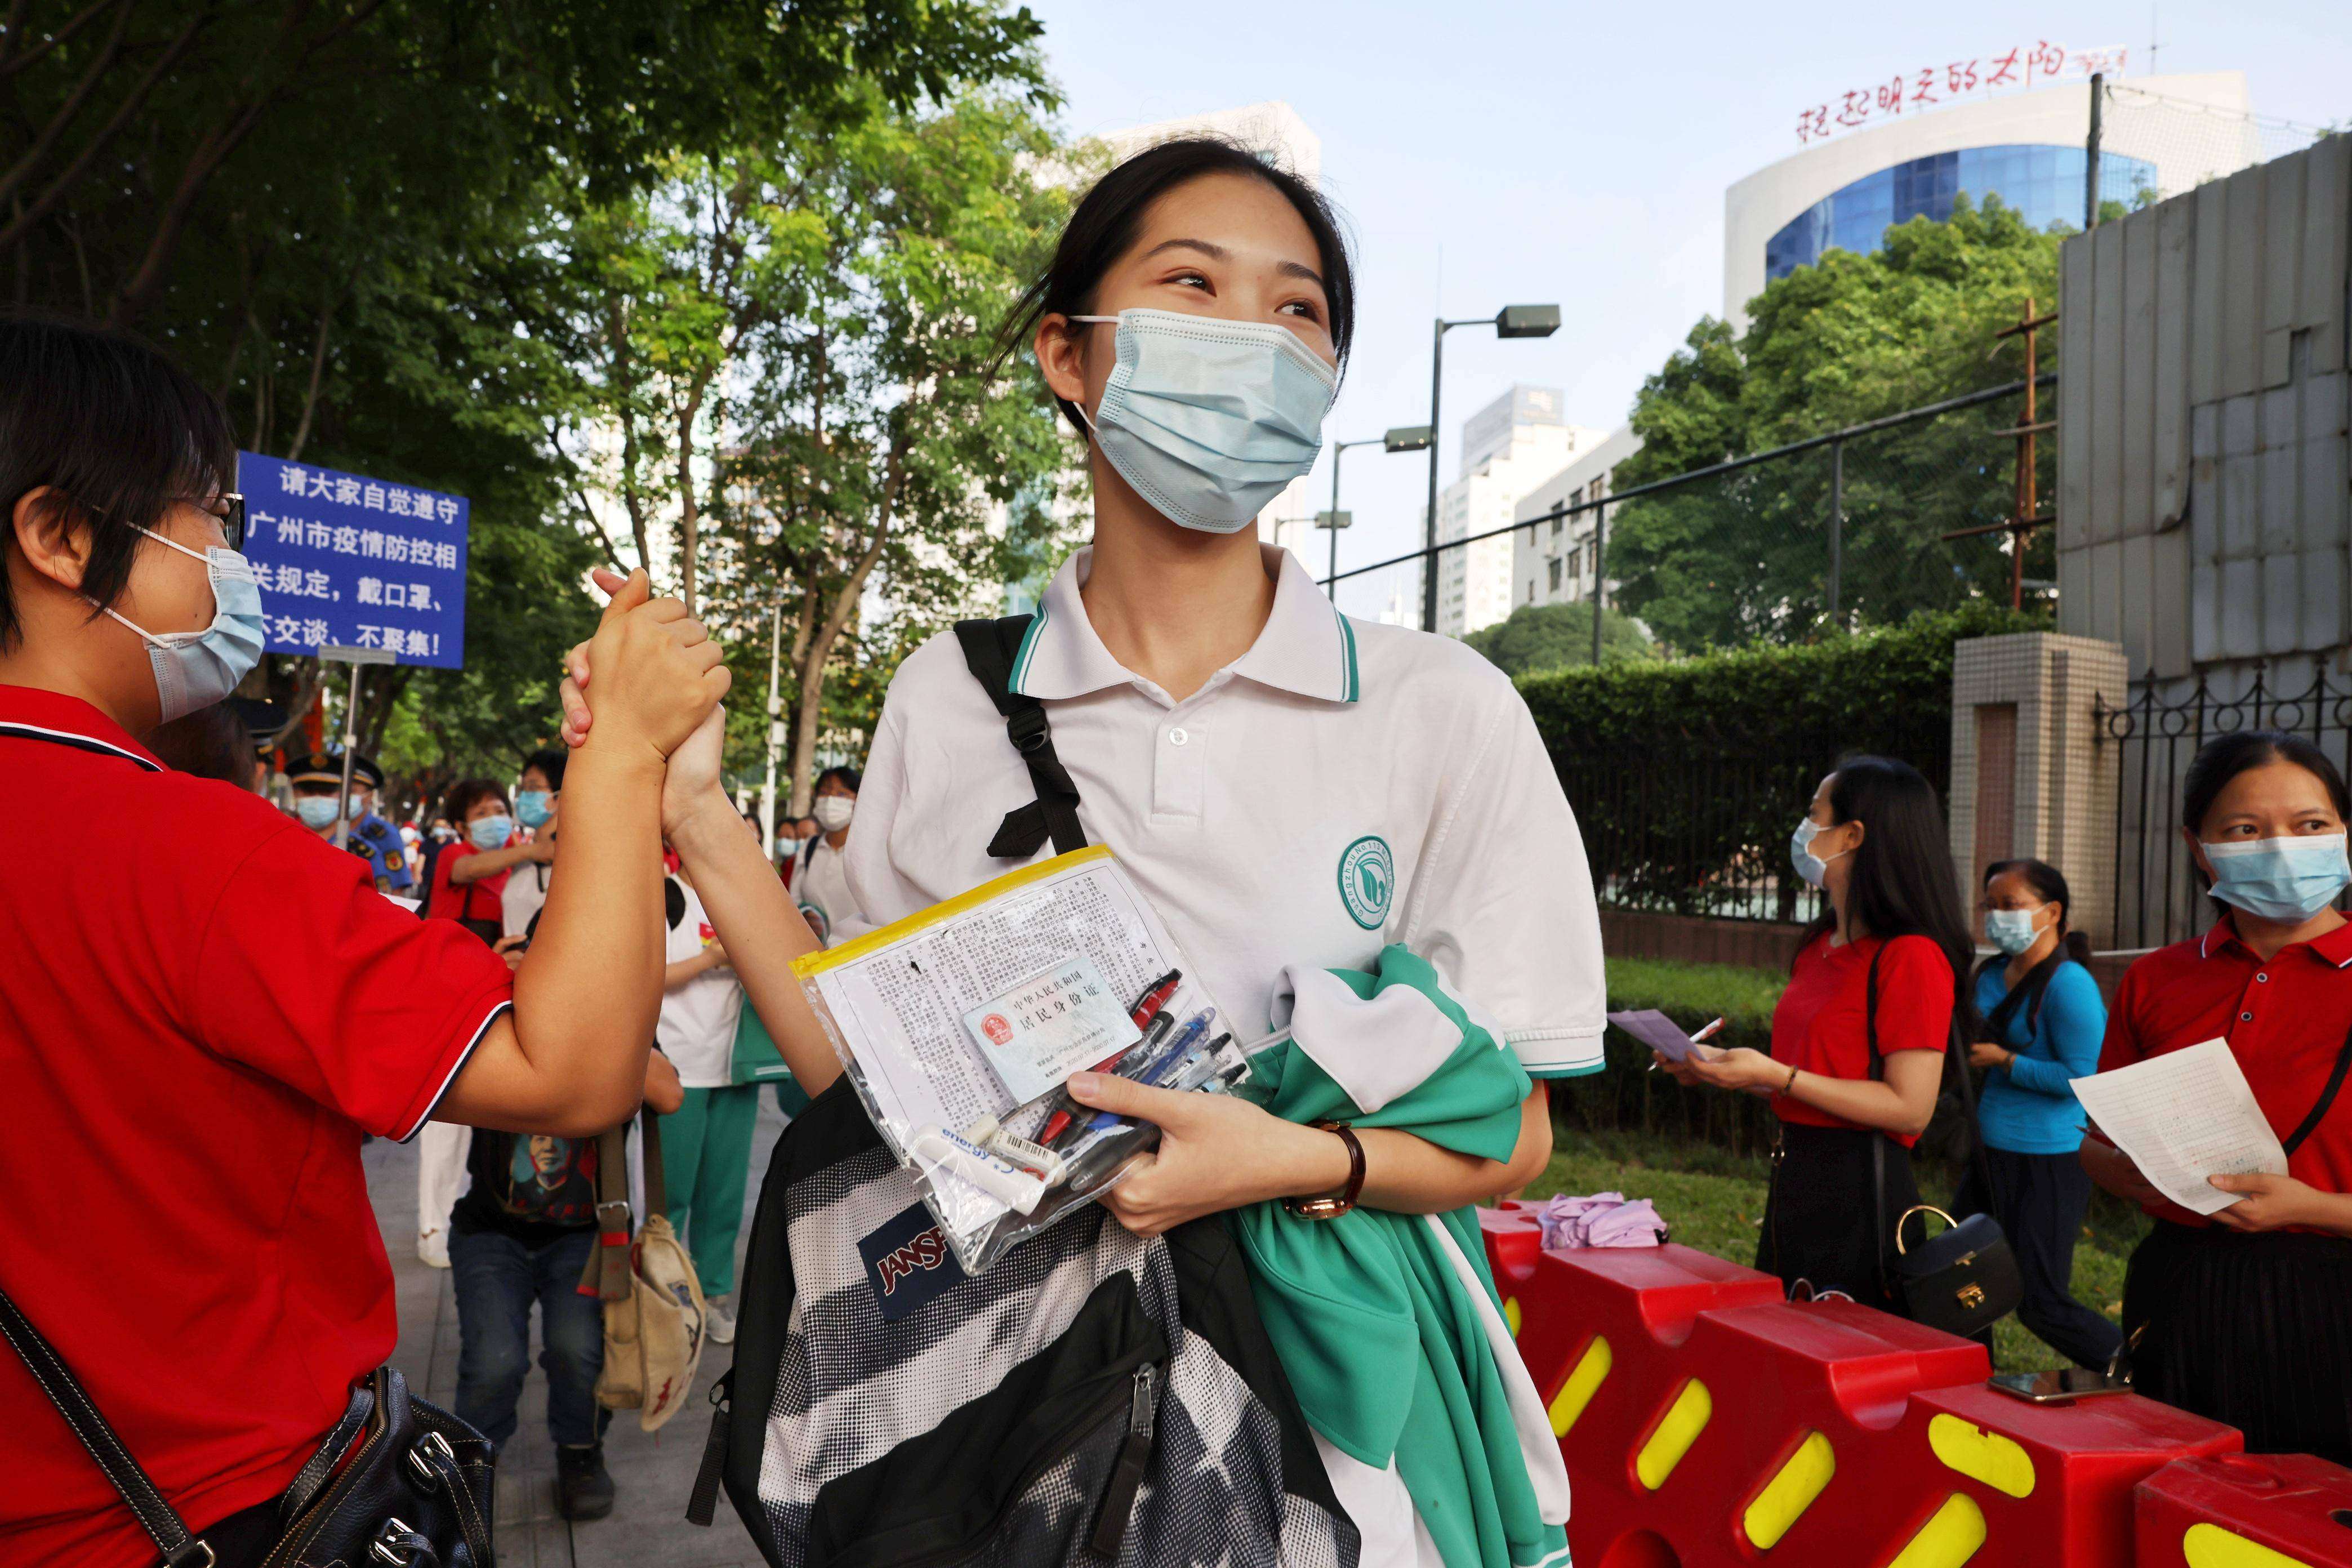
[1840, 530]
[2159, 728]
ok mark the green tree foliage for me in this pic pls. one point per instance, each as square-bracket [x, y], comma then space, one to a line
[875, 448]
[1688, 775]
[1853, 338]
[1554, 636]
[355, 220]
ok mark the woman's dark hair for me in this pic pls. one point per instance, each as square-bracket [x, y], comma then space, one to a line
[850, 777]
[113, 430]
[2049, 885]
[2224, 757]
[549, 761]
[1102, 228]
[462, 796]
[1902, 883]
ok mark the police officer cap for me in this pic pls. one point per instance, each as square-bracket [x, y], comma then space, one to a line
[261, 719]
[327, 767]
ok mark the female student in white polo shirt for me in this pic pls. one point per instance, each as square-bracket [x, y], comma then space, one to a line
[1286, 785]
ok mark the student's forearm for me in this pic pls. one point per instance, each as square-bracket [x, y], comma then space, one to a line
[761, 929]
[2037, 1075]
[686, 969]
[1406, 1175]
[589, 991]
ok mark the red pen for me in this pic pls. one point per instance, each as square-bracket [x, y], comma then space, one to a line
[1151, 1002]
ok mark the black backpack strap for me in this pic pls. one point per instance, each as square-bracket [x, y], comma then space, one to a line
[164, 1527]
[2310, 1124]
[989, 647]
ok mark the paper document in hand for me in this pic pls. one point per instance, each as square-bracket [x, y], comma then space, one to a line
[1662, 1035]
[2182, 1117]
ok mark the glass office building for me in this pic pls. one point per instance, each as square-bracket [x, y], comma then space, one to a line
[2044, 182]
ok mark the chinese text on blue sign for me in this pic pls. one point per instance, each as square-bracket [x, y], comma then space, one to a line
[345, 559]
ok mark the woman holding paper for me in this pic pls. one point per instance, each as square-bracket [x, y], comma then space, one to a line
[2247, 1317]
[1859, 1037]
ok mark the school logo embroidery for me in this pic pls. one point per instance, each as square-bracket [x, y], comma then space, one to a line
[1367, 879]
[907, 1263]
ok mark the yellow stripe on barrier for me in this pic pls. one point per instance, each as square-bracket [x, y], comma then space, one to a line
[1511, 1314]
[1790, 1492]
[1948, 1538]
[1581, 1384]
[1686, 1419]
[2210, 1546]
[1981, 1456]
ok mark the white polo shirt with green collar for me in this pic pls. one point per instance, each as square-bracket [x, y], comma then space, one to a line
[1340, 786]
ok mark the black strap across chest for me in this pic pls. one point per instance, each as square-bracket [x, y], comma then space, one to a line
[2310, 1124]
[989, 649]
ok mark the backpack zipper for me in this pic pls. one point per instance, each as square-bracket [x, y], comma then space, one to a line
[1134, 1458]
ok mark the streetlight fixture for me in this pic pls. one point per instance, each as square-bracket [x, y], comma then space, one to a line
[1510, 321]
[1402, 438]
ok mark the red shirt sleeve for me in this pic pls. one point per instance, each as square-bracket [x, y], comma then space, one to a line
[306, 974]
[1915, 996]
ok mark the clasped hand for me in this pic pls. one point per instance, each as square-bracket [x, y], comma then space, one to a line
[692, 722]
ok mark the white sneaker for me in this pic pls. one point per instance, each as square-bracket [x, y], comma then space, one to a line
[719, 1318]
[433, 1246]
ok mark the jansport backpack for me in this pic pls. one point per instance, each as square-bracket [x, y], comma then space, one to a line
[1096, 1397]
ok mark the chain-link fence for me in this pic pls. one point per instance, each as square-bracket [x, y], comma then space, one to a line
[2173, 145]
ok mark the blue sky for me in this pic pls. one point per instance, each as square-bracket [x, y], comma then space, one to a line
[1577, 153]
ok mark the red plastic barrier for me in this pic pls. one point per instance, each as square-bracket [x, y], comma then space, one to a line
[2236, 1511]
[1706, 1423]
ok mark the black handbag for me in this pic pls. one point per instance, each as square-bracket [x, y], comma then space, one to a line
[1966, 1279]
[398, 1483]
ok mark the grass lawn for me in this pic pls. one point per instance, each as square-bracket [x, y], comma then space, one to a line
[1715, 1202]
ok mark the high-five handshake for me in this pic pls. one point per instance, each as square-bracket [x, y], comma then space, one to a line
[571, 1059]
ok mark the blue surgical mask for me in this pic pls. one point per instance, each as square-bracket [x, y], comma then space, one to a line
[1807, 864]
[317, 811]
[533, 806]
[2011, 930]
[2285, 880]
[197, 670]
[490, 832]
[1208, 419]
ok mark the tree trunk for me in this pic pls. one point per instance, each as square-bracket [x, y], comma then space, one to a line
[311, 394]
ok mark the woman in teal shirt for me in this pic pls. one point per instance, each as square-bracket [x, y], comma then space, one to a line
[2043, 1022]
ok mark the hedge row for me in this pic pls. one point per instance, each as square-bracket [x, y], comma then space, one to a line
[1687, 776]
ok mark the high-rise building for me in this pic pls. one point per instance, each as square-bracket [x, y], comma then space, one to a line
[2160, 134]
[1509, 448]
[1556, 559]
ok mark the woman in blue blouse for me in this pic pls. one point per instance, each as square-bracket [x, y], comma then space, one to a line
[2043, 1022]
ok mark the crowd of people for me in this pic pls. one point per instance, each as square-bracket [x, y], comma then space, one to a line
[207, 1004]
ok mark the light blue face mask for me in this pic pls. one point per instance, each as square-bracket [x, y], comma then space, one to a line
[1208, 419]
[316, 811]
[1802, 858]
[533, 807]
[2285, 879]
[197, 670]
[490, 832]
[2011, 930]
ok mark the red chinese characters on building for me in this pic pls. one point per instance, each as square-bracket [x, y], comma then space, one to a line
[2022, 66]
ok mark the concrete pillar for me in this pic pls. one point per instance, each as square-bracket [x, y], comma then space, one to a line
[2029, 775]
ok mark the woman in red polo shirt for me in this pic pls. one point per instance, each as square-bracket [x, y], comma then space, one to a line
[2247, 1318]
[203, 1005]
[1873, 841]
[469, 876]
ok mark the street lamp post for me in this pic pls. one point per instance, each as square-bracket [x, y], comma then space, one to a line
[1401, 438]
[1510, 321]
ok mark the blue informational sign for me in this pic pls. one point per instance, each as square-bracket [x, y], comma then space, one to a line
[346, 560]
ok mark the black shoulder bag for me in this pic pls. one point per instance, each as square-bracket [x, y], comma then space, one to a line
[989, 649]
[412, 1489]
[1964, 1279]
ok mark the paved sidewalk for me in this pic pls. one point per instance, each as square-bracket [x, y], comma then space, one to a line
[653, 1473]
